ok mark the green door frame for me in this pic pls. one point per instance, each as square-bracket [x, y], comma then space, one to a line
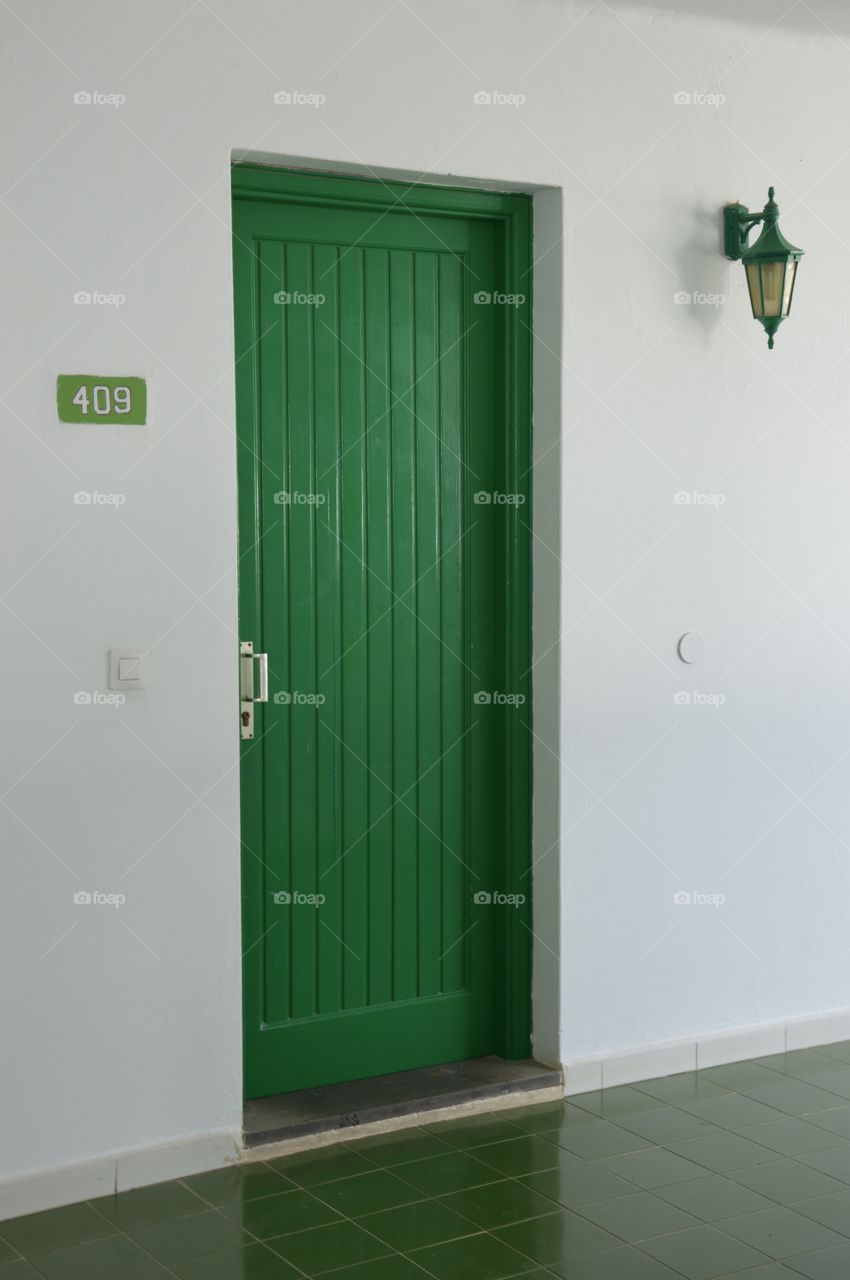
[512, 215]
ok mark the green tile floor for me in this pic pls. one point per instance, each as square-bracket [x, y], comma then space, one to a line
[738, 1171]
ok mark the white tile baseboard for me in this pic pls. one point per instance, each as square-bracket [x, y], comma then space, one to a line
[122, 1171]
[142, 1166]
[738, 1043]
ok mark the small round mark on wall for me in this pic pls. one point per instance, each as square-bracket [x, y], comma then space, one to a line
[691, 647]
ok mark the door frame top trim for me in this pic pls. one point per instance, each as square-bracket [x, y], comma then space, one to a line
[260, 182]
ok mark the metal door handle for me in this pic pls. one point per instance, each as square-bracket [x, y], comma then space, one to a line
[263, 659]
[247, 658]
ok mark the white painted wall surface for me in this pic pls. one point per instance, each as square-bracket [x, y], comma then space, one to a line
[121, 1027]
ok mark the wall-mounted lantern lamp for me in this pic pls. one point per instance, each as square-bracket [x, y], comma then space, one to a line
[770, 264]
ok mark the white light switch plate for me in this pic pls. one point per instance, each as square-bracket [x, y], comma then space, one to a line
[126, 668]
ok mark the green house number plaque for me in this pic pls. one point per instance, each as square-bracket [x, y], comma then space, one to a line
[85, 397]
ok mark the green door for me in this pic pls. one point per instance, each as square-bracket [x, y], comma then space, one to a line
[382, 431]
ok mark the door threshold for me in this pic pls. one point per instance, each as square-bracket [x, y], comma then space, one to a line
[357, 1103]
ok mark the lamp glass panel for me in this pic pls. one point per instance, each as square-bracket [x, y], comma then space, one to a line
[754, 285]
[789, 287]
[772, 281]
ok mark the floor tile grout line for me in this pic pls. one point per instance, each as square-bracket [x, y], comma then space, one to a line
[639, 1189]
[118, 1232]
[766, 1259]
[208, 1206]
[342, 1218]
[557, 1206]
[427, 1196]
[267, 1242]
[477, 1228]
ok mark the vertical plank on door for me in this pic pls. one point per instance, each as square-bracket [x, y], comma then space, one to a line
[379, 549]
[430, 641]
[355, 623]
[304, 625]
[325, 320]
[405, 763]
[273, 477]
[455, 716]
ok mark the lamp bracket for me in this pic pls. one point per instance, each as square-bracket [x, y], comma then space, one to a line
[738, 222]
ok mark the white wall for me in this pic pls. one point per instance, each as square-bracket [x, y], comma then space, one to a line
[121, 1028]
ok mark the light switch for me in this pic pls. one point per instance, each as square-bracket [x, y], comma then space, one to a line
[126, 669]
